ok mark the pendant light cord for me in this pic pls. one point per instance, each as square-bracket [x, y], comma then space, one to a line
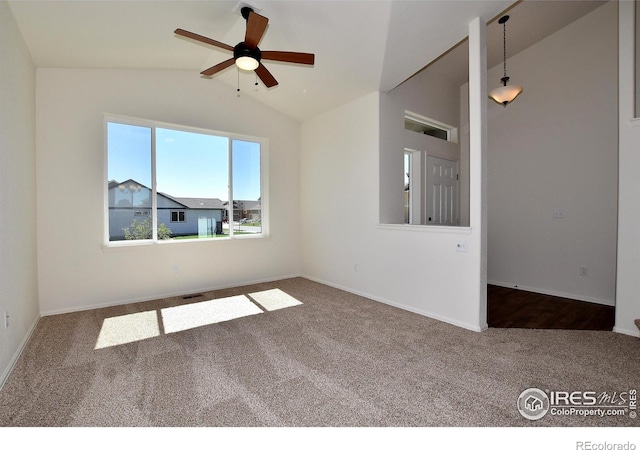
[504, 47]
[503, 21]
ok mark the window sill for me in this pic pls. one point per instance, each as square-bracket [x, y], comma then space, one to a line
[424, 228]
[137, 245]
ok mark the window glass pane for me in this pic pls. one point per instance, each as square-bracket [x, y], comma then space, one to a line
[247, 205]
[192, 172]
[425, 128]
[129, 181]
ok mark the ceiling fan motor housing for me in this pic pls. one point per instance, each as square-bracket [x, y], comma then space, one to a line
[242, 50]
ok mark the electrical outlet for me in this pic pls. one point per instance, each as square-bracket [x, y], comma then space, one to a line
[558, 214]
[356, 267]
[175, 267]
[6, 320]
[583, 271]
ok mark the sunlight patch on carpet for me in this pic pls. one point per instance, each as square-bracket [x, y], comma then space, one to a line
[149, 324]
[126, 329]
[274, 299]
[185, 317]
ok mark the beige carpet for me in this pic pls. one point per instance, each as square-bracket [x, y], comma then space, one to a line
[295, 353]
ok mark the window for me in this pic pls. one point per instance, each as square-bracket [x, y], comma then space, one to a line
[430, 127]
[177, 216]
[166, 182]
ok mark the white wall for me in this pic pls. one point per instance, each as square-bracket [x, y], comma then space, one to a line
[628, 281]
[18, 269]
[75, 271]
[357, 247]
[556, 147]
[414, 267]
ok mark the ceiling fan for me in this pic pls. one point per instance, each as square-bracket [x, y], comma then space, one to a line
[246, 54]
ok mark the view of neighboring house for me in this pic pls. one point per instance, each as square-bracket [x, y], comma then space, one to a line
[248, 210]
[130, 200]
[184, 216]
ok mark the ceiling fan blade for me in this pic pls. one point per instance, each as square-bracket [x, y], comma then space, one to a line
[218, 67]
[292, 57]
[204, 39]
[256, 26]
[265, 76]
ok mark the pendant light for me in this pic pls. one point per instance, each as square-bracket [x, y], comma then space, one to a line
[505, 94]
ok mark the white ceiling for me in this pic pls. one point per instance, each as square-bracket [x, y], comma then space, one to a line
[360, 46]
[529, 22]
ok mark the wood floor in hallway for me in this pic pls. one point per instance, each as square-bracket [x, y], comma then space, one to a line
[514, 308]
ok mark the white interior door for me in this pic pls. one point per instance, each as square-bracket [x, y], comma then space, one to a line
[442, 192]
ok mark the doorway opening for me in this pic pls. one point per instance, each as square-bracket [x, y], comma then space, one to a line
[552, 190]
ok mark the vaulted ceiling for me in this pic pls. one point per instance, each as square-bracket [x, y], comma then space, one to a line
[360, 46]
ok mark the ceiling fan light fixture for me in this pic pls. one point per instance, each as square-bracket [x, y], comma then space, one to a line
[247, 63]
[246, 54]
[246, 58]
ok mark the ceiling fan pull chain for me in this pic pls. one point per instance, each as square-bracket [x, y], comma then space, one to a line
[238, 90]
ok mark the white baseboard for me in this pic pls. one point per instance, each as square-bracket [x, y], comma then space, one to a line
[568, 295]
[421, 312]
[632, 332]
[14, 359]
[163, 295]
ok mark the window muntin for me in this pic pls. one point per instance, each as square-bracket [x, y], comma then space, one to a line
[191, 170]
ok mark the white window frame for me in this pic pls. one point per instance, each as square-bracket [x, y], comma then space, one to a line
[452, 132]
[264, 181]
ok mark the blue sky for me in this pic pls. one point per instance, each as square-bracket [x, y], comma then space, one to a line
[187, 164]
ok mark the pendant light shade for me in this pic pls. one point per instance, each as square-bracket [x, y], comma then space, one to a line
[505, 94]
